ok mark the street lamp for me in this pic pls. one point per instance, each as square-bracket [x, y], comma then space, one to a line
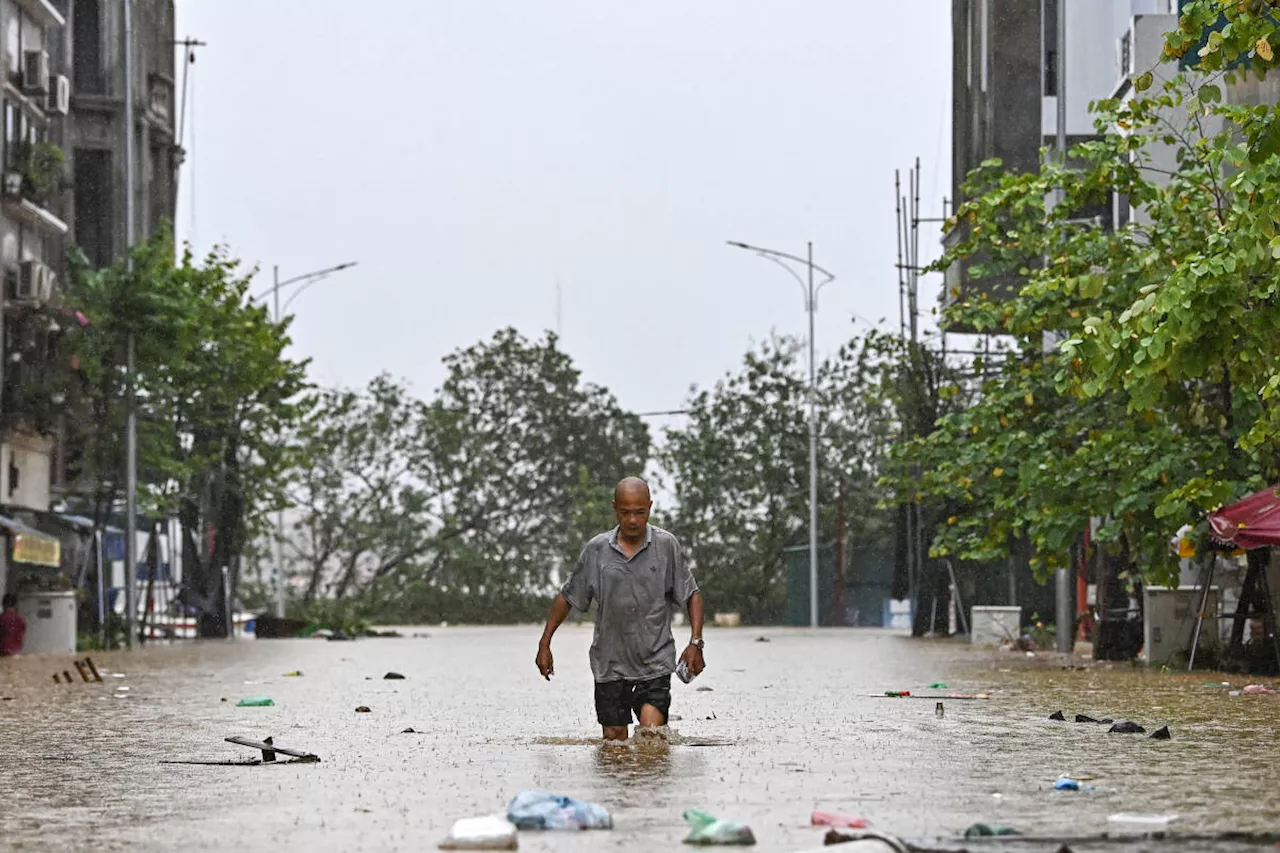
[306, 280]
[785, 261]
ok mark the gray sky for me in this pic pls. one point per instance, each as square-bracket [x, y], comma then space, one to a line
[472, 154]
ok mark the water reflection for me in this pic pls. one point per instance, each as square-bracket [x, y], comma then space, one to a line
[634, 762]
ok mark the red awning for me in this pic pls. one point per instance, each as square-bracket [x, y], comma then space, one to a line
[1253, 522]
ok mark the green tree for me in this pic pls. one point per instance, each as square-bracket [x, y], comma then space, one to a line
[740, 468]
[465, 507]
[361, 505]
[1157, 407]
[214, 395]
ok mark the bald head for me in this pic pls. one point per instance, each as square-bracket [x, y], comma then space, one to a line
[631, 487]
[631, 505]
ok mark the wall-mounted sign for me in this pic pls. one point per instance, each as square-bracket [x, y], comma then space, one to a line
[37, 550]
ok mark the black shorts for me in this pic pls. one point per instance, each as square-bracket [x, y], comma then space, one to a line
[617, 700]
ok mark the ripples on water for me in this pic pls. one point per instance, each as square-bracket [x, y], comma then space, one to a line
[793, 722]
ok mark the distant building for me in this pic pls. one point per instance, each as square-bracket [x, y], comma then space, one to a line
[63, 184]
[1005, 87]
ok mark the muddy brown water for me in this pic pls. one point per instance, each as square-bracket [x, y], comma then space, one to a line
[787, 727]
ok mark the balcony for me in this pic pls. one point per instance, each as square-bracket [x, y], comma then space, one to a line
[32, 180]
[43, 12]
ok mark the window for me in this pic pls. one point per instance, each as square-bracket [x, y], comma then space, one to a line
[93, 204]
[984, 53]
[86, 47]
[1049, 41]
[10, 132]
[968, 44]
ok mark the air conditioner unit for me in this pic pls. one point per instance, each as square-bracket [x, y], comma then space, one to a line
[59, 96]
[48, 282]
[30, 275]
[35, 72]
[12, 185]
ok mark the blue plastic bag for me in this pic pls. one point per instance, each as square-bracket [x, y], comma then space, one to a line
[541, 810]
[1067, 784]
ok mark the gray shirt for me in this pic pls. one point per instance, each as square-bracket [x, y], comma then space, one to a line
[637, 596]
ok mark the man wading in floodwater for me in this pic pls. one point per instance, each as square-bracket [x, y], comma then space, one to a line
[638, 574]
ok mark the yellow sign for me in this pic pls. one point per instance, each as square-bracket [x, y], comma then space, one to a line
[37, 550]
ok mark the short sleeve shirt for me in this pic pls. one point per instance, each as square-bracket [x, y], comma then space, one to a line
[636, 598]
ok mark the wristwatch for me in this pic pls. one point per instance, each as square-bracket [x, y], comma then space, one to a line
[698, 643]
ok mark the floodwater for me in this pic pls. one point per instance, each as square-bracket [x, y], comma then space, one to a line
[786, 727]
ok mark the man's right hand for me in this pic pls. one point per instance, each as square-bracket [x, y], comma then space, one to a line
[546, 664]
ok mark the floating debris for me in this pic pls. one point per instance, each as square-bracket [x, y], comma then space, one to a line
[363, 709]
[493, 832]
[1127, 727]
[269, 750]
[393, 676]
[248, 702]
[1162, 733]
[1057, 717]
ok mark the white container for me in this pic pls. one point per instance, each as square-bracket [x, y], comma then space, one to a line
[493, 832]
[51, 622]
[1169, 619]
[1140, 823]
[993, 625]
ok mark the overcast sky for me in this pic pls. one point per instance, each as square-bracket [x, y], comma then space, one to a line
[471, 154]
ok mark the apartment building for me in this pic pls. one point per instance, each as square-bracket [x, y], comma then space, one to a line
[1005, 87]
[62, 183]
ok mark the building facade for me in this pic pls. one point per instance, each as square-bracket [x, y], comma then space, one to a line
[63, 185]
[1005, 87]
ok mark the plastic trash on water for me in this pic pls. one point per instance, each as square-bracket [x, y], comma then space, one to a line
[255, 702]
[1250, 689]
[840, 821]
[493, 832]
[1065, 783]
[1140, 823]
[710, 830]
[981, 830]
[541, 810]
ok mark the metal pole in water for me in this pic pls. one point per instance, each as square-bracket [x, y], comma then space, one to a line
[813, 457]
[131, 415]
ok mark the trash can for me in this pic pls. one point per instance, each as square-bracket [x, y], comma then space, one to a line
[51, 622]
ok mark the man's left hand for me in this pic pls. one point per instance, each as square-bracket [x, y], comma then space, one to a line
[693, 656]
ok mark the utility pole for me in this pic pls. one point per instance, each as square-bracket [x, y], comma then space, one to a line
[811, 305]
[1065, 633]
[131, 415]
[188, 59]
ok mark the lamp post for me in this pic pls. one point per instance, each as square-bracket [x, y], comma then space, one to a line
[785, 261]
[306, 280]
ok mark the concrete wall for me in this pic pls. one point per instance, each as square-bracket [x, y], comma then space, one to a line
[28, 456]
[1094, 31]
[995, 85]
